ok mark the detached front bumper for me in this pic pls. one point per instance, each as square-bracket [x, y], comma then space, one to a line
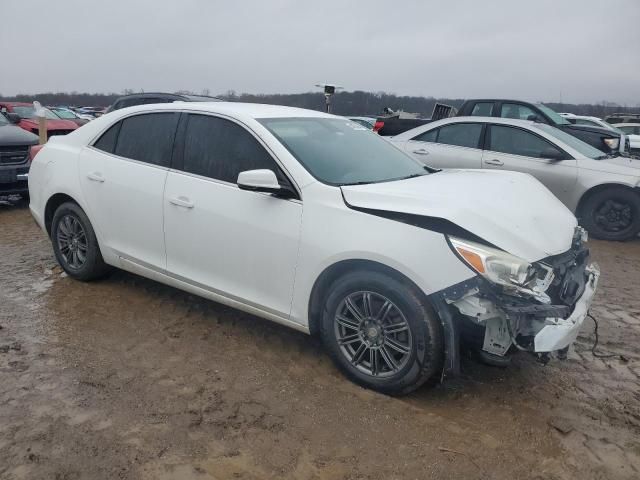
[559, 333]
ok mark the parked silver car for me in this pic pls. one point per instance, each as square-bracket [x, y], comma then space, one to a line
[603, 191]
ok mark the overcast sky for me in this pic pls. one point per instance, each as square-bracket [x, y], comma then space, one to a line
[549, 50]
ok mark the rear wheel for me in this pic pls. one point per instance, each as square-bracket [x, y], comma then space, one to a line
[381, 333]
[612, 214]
[75, 245]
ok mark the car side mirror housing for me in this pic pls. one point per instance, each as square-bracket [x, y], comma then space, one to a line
[263, 180]
[13, 118]
[553, 154]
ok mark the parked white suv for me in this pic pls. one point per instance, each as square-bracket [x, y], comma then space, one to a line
[602, 190]
[316, 222]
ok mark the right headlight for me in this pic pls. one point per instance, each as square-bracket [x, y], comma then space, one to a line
[501, 268]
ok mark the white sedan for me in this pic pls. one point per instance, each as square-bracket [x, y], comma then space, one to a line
[315, 222]
[602, 190]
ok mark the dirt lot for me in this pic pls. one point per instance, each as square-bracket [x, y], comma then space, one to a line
[126, 378]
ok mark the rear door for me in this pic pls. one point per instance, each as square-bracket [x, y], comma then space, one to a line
[455, 145]
[236, 243]
[514, 148]
[122, 177]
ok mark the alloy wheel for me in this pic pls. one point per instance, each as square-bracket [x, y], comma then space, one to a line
[72, 242]
[373, 334]
[613, 215]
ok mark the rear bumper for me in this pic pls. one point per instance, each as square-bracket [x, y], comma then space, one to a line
[559, 333]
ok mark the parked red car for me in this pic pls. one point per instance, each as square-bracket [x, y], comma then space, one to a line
[27, 119]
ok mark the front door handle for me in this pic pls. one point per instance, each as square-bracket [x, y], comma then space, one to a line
[181, 201]
[95, 177]
[421, 151]
[494, 161]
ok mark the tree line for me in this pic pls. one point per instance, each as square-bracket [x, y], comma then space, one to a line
[343, 103]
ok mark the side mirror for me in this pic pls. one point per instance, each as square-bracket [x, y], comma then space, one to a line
[552, 154]
[263, 180]
[13, 118]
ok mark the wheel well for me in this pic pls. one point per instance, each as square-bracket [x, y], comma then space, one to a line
[52, 205]
[599, 188]
[335, 271]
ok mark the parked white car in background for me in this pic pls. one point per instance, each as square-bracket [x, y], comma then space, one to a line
[602, 190]
[632, 131]
[315, 222]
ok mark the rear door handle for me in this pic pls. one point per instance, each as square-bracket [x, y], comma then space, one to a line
[95, 177]
[494, 161]
[181, 201]
[421, 151]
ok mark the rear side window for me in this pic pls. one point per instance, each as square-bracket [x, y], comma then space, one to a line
[515, 141]
[221, 149]
[460, 135]
[482, 109]
[431, 136]
[148, 138]
[107, 142]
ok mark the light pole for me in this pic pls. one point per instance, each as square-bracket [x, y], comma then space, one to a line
[329, 91]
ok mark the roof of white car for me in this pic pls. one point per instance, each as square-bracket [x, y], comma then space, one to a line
[253, 110]
[506, 121]
[629, 124]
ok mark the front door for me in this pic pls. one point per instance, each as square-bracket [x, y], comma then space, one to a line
[237, 243]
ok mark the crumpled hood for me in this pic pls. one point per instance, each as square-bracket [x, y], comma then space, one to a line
[511, 210]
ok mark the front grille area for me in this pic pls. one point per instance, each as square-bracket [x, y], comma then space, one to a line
[14, 155]
[570, 275]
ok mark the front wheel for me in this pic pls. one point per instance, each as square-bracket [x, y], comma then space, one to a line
[612, 214]
[381, 333]
[75, 244]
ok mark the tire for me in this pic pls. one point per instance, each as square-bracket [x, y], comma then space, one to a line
[404, 305]
[612, 214]
[71, 231]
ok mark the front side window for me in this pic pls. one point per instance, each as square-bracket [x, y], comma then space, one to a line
[148, 138]
[339, 152]
[221, 149]
[514, 110]
[516, 141]
[482, 109]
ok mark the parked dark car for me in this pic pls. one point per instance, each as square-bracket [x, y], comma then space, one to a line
[15, 159]
[147, 98]
[605, 140]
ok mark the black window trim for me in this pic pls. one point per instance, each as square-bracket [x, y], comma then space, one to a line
[481, 139]
[487, 142]
[120, 120]
[177, 162]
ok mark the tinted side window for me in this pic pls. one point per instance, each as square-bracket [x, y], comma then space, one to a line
[107, 142]
[220, 149]
[461, 135]
[482, 109]
[429, 136]
[582, 121]
[519, 142]
[148, 138]
[513, 110]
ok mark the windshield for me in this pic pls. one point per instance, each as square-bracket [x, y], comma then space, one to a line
[30, 112]
[575, 143]
[553, 115]
[341, 152]
[64, 113]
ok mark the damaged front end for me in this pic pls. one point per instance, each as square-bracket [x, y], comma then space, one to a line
[515, 305]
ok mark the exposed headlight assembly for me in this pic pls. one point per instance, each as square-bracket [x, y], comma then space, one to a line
[516, 275]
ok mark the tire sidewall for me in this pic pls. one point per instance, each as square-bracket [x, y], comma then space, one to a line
[93, 262]
[597, 199]
[425, 358]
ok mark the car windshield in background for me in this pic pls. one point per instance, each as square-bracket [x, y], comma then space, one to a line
[341, 152]
[553, 115]
[64, 114]
[575, 143]
[30, 112]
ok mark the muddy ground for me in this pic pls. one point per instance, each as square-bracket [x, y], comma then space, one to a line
[126, 378]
